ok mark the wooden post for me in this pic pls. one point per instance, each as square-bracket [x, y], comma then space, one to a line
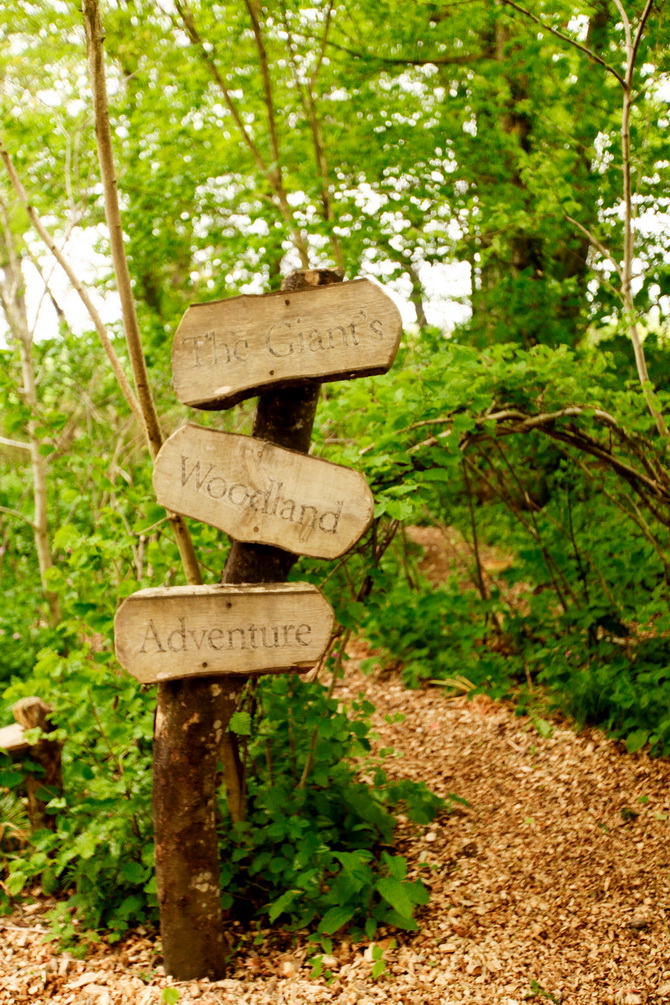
[191, 719]
[191, 716]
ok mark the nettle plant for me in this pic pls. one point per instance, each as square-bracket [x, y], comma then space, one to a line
[315, 849]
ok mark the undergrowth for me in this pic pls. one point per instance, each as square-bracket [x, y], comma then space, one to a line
[315, 852]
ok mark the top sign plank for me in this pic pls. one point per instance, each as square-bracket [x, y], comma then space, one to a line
[228, 350]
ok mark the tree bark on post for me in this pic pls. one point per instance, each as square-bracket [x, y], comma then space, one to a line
[191, 717]
[191, 720]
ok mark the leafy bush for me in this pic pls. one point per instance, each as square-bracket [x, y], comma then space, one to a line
[315, 854]
[100, 855]
[552, 453]
[320, 818]
[435, 633]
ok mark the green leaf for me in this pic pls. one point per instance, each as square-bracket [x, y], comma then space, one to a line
[396, 865]
[10, 779]
[544, 728]
[437, 475]
[16, 882]
[378, 969]
[397, 895]
[240, 723]
[134, 872]
[170, 996]
[282, 904]
[392, 917]
[636, 740]
[66, 537]
[335, 918]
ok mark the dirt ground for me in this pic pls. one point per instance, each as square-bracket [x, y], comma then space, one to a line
[552, 885]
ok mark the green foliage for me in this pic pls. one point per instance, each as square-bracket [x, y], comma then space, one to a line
[100, 857]
[581, 604]
[311, 852]
[436, 633]
[311, 855]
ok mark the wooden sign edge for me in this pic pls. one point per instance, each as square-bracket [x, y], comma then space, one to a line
[228, 401]
[209, 589]
[347, 284]
[311, 553]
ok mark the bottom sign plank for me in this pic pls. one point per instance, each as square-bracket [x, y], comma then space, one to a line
[199, 631]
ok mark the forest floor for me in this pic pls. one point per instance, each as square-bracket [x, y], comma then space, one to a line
[551, 885]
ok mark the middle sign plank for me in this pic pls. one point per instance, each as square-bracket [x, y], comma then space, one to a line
[263, 494]
[228, 350]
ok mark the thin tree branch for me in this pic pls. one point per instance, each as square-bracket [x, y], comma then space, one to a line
[251, 6]
[19, 516]
[308, 102]
[481, 582]
[629, 232]
[270, 171]
[95, 38]
[500, 490]
[626, 23]
[368, 57]
[19, 444]
[599, 245]
[324, 43]
[309, 760]
[566, 38]
[35, 220]
[197, 40]
[633, 514]
[652, 483]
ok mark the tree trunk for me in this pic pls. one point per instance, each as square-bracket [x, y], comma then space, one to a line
[284, 417]
[14, 308]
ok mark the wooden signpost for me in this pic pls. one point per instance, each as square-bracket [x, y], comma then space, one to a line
[201, 643]
[229, 350]
[258, 492]
[203, 631]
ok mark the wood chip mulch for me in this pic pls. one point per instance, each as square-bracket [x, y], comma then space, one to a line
[551, 885]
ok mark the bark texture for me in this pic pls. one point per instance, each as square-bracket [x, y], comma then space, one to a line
[191, 718]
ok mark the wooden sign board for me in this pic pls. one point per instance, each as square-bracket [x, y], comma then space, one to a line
[199, 631]
[228, 350]
[11, 738]
[261, 493]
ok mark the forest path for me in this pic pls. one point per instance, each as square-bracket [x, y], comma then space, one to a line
[552, 885]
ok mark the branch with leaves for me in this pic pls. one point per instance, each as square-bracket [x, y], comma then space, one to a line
[273, 171]
[633, 37]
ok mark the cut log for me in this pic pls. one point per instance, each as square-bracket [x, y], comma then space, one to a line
[47, 781]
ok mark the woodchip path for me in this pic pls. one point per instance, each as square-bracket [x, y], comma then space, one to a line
[552, 885]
